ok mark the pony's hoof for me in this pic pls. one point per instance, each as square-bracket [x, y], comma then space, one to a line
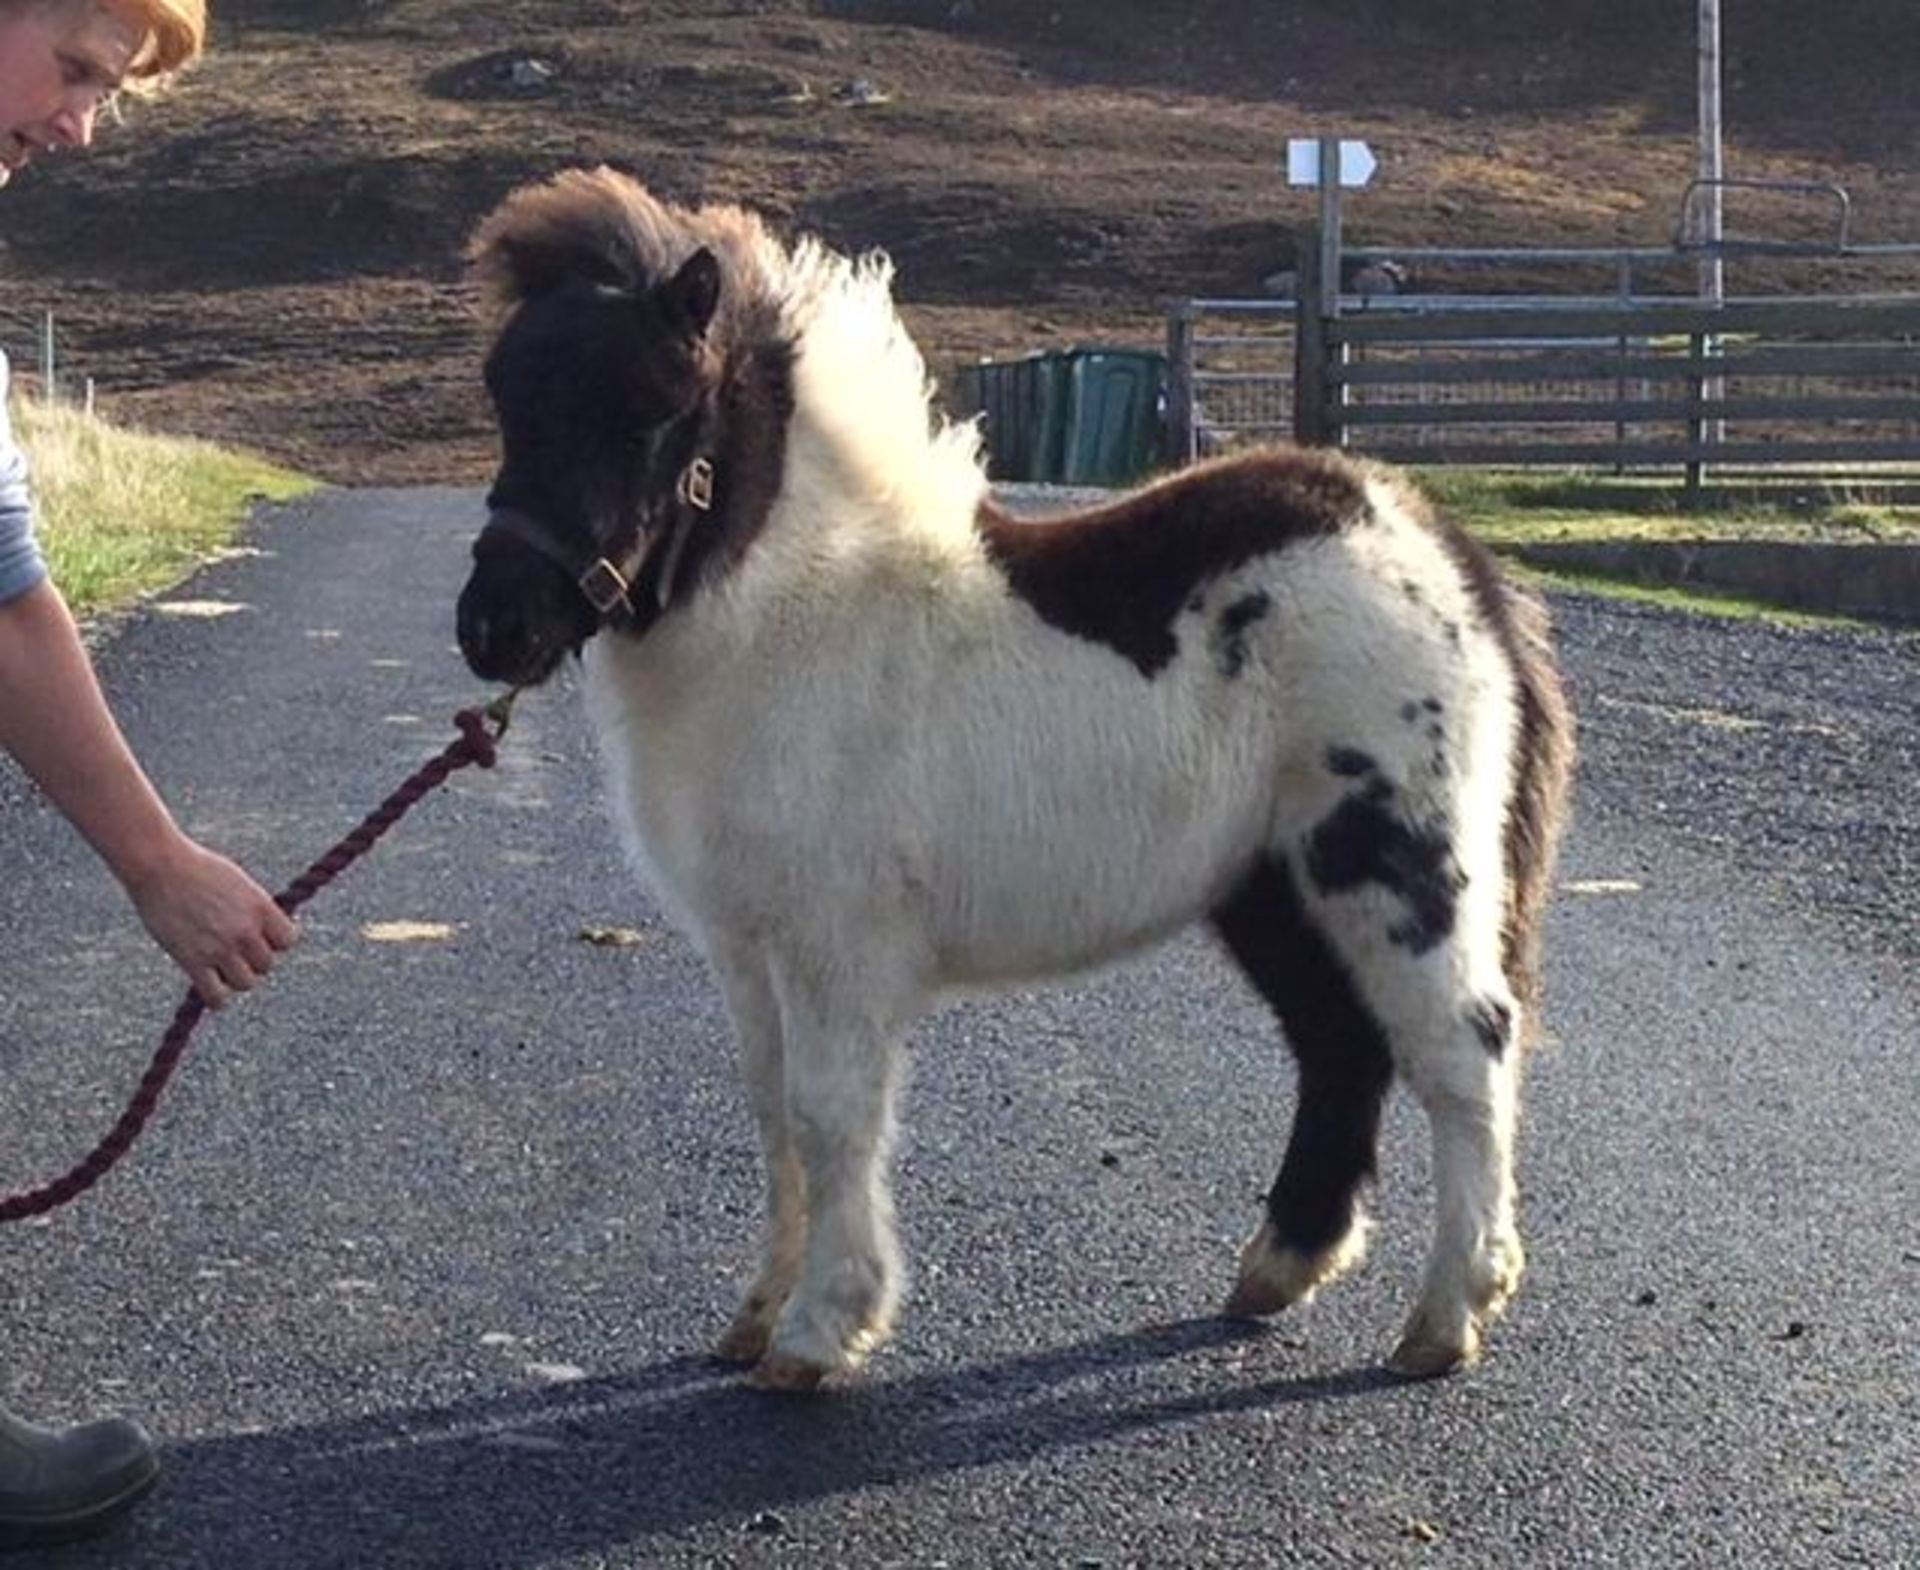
[1499, 1276]
[1256, 1298]
[1417, 1357]
[746, 1341]
[1274, 1277]
[784, 1375]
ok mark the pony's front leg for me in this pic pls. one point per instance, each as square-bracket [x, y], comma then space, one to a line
[842, 1077]
[755, 1013]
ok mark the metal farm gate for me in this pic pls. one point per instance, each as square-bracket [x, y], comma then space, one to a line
[1620, 380]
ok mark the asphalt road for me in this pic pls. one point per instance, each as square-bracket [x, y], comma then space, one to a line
[417, 1264]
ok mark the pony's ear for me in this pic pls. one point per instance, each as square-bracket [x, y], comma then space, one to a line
[691, 296]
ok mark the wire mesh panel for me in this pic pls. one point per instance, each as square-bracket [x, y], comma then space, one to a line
[1232, 365]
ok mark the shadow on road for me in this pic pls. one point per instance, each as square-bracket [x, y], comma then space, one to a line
[513, 1480]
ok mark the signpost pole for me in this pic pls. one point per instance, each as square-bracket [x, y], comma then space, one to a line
[1333, 427]
[1309, 353]
[1329, 156]
[1329, 163]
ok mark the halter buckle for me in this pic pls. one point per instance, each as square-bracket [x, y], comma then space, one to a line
[696, 485]
[604, 587]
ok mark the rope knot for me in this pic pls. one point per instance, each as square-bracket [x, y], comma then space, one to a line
[478, 739]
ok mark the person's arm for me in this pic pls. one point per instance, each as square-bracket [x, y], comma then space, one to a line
[220, 926]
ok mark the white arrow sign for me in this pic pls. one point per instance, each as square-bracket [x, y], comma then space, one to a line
[1357, 163]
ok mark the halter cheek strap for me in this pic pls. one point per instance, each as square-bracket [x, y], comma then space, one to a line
[695, 492]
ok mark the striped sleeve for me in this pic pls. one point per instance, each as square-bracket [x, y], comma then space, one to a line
[21, 564]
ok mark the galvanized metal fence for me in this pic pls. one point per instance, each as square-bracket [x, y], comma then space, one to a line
[1617, 378]
[1814, 385]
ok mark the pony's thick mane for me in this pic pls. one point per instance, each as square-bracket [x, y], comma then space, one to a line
[859, 381]
[601, 226]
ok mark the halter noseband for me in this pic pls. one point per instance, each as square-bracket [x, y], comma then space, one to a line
[608, 584]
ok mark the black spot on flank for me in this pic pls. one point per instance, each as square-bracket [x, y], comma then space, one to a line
[1230, 632]
[1436, 733]
[1492, 1022]
[1350, 762]
[1364, 841]
[1411, 590]
[1452, 630]
[1410, 712]
[1432, 705]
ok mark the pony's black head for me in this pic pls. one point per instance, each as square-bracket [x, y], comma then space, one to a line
[603, 387]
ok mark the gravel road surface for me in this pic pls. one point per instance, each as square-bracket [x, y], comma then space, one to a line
[417, 1265]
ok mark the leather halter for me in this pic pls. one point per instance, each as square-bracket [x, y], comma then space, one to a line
[607, 582]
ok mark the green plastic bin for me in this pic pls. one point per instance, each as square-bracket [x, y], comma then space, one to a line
[1073, 417]
[1046, 408]
[1112, 434]
[1024, 405]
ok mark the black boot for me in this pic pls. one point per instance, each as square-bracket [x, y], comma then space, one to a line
[59, 1484]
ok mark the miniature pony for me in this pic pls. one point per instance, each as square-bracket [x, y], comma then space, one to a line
[872, 741]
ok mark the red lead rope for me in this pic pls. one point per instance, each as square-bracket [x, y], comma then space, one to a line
[479, 730]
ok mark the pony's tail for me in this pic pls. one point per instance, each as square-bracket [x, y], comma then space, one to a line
[1538, 804]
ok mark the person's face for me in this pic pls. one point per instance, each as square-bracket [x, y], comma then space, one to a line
[59, 62]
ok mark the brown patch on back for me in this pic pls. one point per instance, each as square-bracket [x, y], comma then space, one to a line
[1120, 574]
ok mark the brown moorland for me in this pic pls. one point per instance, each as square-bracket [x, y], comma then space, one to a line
[270, 255]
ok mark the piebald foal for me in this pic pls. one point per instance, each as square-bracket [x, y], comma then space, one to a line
[874, 741]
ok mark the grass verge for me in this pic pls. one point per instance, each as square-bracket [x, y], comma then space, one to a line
[1516, 509]
[123, 513]
[1510, 511]
[1696, 601]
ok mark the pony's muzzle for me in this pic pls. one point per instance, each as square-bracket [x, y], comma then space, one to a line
[492, 650]
[517, 618]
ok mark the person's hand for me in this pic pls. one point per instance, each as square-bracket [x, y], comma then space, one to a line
[219, 926]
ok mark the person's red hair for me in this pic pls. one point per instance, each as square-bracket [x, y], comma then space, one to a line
[174, 34]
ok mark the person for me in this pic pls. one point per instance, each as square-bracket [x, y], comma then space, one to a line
[61, 62]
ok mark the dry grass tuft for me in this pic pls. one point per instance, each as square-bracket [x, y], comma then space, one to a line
[123, 512]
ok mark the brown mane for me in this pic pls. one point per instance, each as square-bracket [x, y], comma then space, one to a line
[602, 226]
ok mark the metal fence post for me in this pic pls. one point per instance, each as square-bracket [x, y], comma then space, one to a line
[1624, 289]
[1696, 418]
[1182, 433]
[49, 389]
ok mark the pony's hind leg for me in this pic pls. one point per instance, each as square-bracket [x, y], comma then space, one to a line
[1315, 1227]
[1421, 938]
[1461, 1065]
[842, 1079]
[755, 1014]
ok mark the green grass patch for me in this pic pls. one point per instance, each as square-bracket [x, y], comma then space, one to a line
[123, 513]
[1699, 602]
[1515, 509]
